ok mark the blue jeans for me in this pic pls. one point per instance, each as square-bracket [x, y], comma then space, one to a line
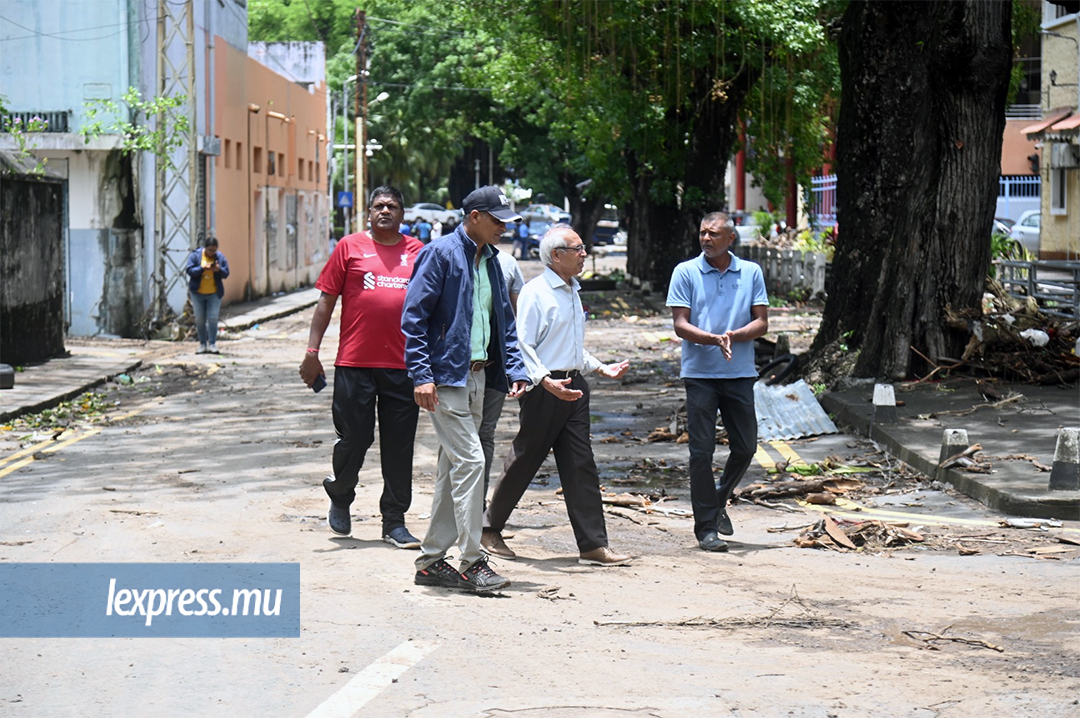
[207, 307]
[735, 400]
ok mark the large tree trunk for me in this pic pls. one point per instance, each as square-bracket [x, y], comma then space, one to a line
[919, 147]
[585, 211]
[665, 212]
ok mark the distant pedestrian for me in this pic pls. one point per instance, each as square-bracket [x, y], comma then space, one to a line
[719, 307]
[206, 268]
[436, 230]
[555, 411]
[370, 271]
[521, 240]
[423, 230]
[460, 338]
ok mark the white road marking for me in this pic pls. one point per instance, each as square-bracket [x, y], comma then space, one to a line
[371, 681]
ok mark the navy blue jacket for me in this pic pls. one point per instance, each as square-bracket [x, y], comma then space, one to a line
[437, 317]
[194, 271]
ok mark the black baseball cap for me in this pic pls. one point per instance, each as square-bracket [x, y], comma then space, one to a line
[492, 200]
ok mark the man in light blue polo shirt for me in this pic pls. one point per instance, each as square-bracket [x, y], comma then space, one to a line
[719, 307]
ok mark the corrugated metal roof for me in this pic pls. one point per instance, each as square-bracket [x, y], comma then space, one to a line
[1059, 114]
[1070, 123]
[790, 411]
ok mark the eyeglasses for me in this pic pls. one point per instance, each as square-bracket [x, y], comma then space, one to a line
[576, 249]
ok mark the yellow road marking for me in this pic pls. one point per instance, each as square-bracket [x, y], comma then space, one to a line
[68, 442]
[25, 452]
[50, 445]
[859, 512]
[16, 466]
[51, 448]
[128, 415]
[763, 458]
[787, 452]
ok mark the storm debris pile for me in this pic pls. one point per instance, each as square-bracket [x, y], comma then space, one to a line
[846, 535]
[1013, 338]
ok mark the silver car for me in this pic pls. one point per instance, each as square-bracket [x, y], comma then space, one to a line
[1026, 231]
[432, 213]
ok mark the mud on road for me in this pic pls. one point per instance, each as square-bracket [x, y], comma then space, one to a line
[219, 459]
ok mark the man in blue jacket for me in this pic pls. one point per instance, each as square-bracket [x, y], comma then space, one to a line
[460, 337]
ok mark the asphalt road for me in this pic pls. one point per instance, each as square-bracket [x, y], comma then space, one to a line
[219, 459]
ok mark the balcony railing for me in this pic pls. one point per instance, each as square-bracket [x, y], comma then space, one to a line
[54, 121]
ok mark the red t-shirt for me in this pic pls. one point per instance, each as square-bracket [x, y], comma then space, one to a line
[371, 279]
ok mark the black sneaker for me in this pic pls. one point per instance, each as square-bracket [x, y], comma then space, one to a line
[713, 543]
[401, 538]
[339, 520]
[479, 577]
[440, 574]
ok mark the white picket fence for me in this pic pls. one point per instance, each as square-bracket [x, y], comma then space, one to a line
[786, 270]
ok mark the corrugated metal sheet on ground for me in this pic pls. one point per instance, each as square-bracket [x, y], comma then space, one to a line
[789, 412]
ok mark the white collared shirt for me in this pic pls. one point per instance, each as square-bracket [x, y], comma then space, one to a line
[551, 327]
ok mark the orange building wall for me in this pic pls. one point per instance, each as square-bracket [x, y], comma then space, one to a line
[252, 205]
[1015, 149]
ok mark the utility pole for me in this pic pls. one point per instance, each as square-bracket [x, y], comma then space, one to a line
[176, 185]
[361, 111]
[345, 124]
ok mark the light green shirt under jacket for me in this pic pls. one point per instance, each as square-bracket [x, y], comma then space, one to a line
[481, 319]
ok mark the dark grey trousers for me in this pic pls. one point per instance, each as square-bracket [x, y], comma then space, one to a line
[551, 424]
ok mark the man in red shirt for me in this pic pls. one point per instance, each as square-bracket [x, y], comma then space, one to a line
[370, 271]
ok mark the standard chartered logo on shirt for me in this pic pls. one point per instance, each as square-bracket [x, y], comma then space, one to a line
[372, 280]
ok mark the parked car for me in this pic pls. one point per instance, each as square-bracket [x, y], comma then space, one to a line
[607, 226]
[1026, 231]
[1003, 225]
[433, 213]
[537, 229]
[544, 213]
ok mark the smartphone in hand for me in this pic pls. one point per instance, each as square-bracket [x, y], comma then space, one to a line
[319, 384]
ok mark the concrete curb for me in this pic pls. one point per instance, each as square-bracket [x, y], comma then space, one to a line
[984, 488]
[69, 393]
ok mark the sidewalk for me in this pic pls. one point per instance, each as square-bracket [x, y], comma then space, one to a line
[43, 386]
[1026, 426]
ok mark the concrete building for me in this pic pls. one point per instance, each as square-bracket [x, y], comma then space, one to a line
[252, 169]
[1059, 134]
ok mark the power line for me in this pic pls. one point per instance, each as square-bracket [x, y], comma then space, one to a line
[425, 28]
[430, 87]
[57, 35]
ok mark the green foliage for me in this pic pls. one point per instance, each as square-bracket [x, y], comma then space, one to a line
[822, 243]
[568, 90]
[791, 110]
[22, 133]
[160, 138]
[90, 408]
[1002, 246]
[765, 220]
[1026, 20]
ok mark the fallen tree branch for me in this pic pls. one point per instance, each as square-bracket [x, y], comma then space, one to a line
[930, 637]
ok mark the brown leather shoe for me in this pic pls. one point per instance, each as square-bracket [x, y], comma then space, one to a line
[492, 542]
[603, 556]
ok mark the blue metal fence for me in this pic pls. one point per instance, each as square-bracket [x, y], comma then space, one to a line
[1016, 193]
[824, 202]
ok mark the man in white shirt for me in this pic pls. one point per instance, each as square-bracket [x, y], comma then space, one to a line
[494, 399]
[555, 412]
